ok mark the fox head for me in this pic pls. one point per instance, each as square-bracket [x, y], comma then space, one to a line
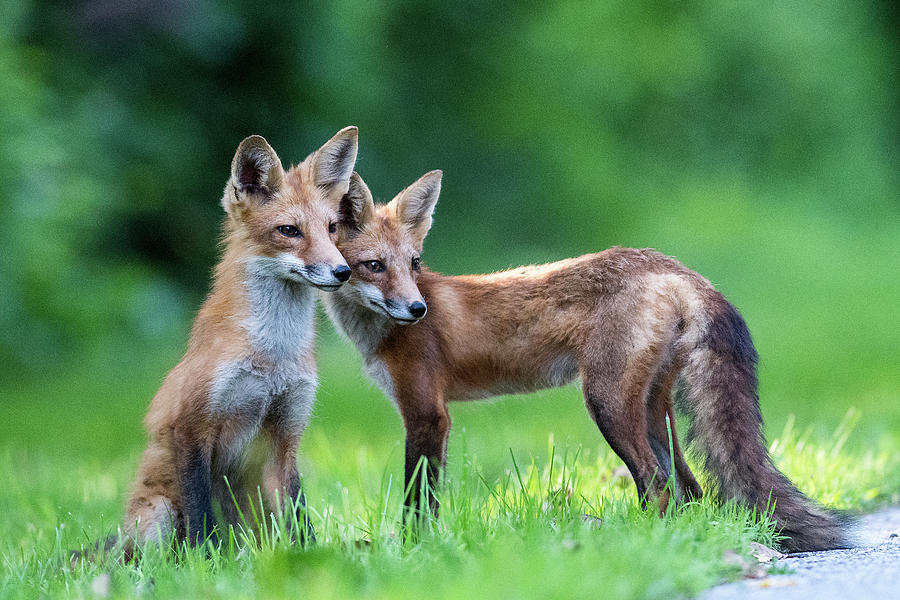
[382, 245]
[286, 221]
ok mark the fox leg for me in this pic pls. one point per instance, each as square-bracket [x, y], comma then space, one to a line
[659, 406]
[153, 509]
[231, 492]
[281, 484]
[192, 466]
[615, 394]
[427, 429]
[149, 519]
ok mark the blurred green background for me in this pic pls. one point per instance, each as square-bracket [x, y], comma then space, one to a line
[756, 142]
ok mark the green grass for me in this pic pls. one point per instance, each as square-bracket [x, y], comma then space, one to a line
[521, 474]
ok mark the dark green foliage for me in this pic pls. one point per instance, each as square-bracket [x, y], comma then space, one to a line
[757, 143]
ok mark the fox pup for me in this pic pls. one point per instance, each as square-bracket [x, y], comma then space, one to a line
[630, 323]
[249, 373]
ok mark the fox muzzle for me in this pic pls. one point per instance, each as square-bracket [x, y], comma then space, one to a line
[341, 273]
[324, 277]
[405, 312]
[418, 309]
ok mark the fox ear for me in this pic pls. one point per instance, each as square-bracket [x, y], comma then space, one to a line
[333, 163]
[415, 204]
[256, 172]
[357, 205]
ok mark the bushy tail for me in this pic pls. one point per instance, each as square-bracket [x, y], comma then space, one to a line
[720, 395]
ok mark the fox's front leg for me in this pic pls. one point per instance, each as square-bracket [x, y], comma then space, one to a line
[427, 428]
[193, 458]
[282, 484]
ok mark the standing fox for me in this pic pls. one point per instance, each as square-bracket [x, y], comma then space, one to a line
[630, 323]
[249, 370]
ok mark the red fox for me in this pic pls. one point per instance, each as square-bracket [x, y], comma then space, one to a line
[249, 371]
[631, 323]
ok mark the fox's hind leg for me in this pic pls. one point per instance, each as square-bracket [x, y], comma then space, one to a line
[150, 519]
[615, 388]
[659, 406]
[154, 508]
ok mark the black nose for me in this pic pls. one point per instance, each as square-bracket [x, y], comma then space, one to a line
[417, 309]
[341, 272]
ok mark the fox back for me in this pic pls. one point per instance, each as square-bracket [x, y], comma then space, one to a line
[632, 324]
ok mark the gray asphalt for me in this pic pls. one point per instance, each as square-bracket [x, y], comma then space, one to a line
[871, 570]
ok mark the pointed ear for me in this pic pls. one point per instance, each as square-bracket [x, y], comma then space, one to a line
[357, 205]
[415, 205]
[256, 173]
[333, 163]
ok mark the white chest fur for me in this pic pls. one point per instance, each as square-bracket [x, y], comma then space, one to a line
[365, 329]
[280, 323]
[274, 381]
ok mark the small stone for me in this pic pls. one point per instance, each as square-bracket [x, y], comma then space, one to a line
[764, 554]
[748, 570]
[100, 585]
[733, 559]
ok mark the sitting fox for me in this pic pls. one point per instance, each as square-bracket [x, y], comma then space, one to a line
[249, 371]
[630, 323]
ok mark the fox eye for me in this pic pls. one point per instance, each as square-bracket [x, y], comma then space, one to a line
[376, 266]
[289, 231]
[416, 263]
[332, 227]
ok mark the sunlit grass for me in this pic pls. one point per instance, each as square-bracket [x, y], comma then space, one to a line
[522, 475]
[523, 534]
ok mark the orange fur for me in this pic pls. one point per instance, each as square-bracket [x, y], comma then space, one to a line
[629, 322]
[249, 371]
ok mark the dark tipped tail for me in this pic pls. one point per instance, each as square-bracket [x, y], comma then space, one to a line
[720, 395]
